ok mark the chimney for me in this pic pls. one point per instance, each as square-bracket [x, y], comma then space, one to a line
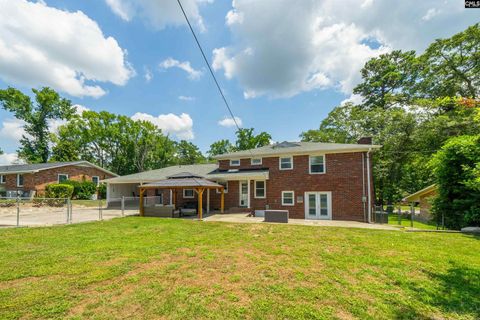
[365, 140]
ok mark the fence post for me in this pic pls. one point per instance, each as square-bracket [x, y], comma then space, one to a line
[412, 213]
[100, 213]
[18, 211]
[123, 206]
[399, 215]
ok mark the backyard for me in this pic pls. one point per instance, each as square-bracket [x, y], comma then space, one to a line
[164, 268]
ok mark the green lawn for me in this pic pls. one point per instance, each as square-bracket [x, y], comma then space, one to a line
[89, 203]
[148, 268]
[405, 222]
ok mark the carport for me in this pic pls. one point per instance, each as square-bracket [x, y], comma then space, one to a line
[184, 181]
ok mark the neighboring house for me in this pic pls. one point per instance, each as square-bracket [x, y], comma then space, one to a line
[424, 197]
[30, 179]
[310, 180]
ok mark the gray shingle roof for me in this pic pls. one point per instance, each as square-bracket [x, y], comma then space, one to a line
[183, 182]
[34, 167]
[298, 148]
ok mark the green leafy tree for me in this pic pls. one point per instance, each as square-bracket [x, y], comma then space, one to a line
[246, 139]
[188, 153]
[457, 168]
[220, 147]
[48, 106]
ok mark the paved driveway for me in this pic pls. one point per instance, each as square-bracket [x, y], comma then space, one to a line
[242, 218]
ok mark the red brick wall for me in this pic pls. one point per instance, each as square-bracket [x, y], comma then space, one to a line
[37, 181]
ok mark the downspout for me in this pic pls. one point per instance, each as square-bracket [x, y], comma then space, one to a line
[364, 198]
[368, 187]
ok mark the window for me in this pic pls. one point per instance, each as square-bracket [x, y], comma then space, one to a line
[235, 162]
[317, 164]
[260, 187]
[188, 193]
[19, 180]
[225, 186]
[62, 177]
[287, 198]
[286, 163]
[2, 179]
[255, 161]
[96, 180]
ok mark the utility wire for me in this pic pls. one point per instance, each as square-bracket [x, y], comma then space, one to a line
[208, 65]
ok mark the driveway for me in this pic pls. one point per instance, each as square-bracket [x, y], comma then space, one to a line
[242, 218]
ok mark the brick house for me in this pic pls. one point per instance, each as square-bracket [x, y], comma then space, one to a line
[31, 179]
[310, 180]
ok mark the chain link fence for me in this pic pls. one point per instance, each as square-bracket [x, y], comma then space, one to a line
[52, 211]
[407, 216]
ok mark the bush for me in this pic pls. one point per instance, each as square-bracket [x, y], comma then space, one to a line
[457, 169]
[102, 191]
[83, 190]
[58, 190]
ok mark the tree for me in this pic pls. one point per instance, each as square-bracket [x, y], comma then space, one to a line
[220, 147]
[48, 106]
[457, 169]
[188, 153]
[246, 139]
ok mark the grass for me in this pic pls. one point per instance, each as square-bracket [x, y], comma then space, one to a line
[405, 222]
[148, 268]
[89, 203]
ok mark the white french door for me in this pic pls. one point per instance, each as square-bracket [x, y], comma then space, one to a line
[318, 205]
[244, 194]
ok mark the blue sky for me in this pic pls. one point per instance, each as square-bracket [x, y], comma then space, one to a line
[283, 68]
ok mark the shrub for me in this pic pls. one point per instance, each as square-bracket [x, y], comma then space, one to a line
[58, 190]
[82, 190]
[102, 191]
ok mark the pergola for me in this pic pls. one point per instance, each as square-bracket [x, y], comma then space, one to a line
[184, 181]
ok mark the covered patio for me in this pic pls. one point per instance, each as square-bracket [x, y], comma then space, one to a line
[184, 180]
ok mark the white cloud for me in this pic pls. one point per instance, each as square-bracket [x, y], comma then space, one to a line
[185, 66]
[181, 126]
[159, 13]
[229, 122]
[430, 14]
[45, 46]
[315, 45]
[186, 98]
[8, 158]
[148, 75]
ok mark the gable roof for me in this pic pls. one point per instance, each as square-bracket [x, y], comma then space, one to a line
[36, 167]
[298, 148]
[415, 197]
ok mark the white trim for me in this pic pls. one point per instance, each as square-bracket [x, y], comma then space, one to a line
[61, 174]
[256, 164]
[98, 180]
[264, 189]
[310, 163]
[280, 163]
[3, 179]
[318, 216]
[293, 198]
[188, 197]
[235, 165]
[240, 193]
[18, 179]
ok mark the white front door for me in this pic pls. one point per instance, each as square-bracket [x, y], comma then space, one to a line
[244, 188]
[318, 205]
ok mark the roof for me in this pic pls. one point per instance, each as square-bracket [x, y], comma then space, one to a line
[36, 167]
[298, 148]
[200, 170]
[415, 197]
[183, 175]
[183, 182]
[239, 174]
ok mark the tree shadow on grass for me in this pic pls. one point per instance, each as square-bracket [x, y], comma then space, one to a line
[457, 291]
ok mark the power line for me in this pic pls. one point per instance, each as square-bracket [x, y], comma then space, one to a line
[208, 65]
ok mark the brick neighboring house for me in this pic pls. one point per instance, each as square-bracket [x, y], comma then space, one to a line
[31, 179]
[311, 180]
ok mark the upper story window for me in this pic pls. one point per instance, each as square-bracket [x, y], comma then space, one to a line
[96, 180]
[286, 163]
[19, 180]
[188, 193]
[255, 161]
[62, 177]
[317, 164]
[3, 179]
[225, 186]
[234, 162]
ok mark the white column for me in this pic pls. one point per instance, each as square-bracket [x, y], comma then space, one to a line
[171, 195]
